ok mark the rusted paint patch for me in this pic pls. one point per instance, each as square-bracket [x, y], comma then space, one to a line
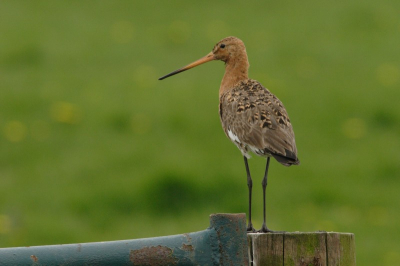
[187, 247]
[188, 237]
[34, 258]
[159, 255]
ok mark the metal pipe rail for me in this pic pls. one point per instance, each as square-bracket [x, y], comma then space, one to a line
[223, 243]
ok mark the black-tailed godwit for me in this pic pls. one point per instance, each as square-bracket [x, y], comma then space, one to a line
[252, 117]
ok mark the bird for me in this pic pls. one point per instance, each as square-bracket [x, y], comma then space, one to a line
[253, 118]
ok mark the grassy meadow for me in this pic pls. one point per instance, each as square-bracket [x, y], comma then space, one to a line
[94, 148]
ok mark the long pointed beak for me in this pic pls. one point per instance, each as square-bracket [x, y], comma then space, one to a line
[202, 60]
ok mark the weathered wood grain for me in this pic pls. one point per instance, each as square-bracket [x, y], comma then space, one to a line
[341, 249]
[305, 249]
[302, 249]
[270, 247]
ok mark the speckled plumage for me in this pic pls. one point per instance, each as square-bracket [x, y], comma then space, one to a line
[259, 121]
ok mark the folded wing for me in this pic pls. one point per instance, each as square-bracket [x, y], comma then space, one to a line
[256, 120]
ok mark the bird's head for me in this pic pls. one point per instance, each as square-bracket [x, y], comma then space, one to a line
[228, 48]
[224, 50]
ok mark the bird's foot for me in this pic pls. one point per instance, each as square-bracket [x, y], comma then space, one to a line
[264, 229]
[250, 228]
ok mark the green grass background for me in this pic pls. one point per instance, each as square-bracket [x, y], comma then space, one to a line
[93, 147]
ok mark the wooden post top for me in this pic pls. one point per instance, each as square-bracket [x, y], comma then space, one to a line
[302, 249]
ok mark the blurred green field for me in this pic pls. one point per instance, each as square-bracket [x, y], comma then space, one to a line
[93, 147]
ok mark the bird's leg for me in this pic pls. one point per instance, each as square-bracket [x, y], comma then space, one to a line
[264, 228]
[250, 227]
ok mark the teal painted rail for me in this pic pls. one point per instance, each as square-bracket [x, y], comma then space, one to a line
[223, 243]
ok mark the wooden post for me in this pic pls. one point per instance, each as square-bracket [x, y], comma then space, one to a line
[302, 249]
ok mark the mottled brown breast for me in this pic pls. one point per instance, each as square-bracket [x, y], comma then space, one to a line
[256, 120]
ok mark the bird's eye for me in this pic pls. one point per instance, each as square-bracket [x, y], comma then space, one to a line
[222, 46]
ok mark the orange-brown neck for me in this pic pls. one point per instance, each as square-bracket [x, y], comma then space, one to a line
[236, 69]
